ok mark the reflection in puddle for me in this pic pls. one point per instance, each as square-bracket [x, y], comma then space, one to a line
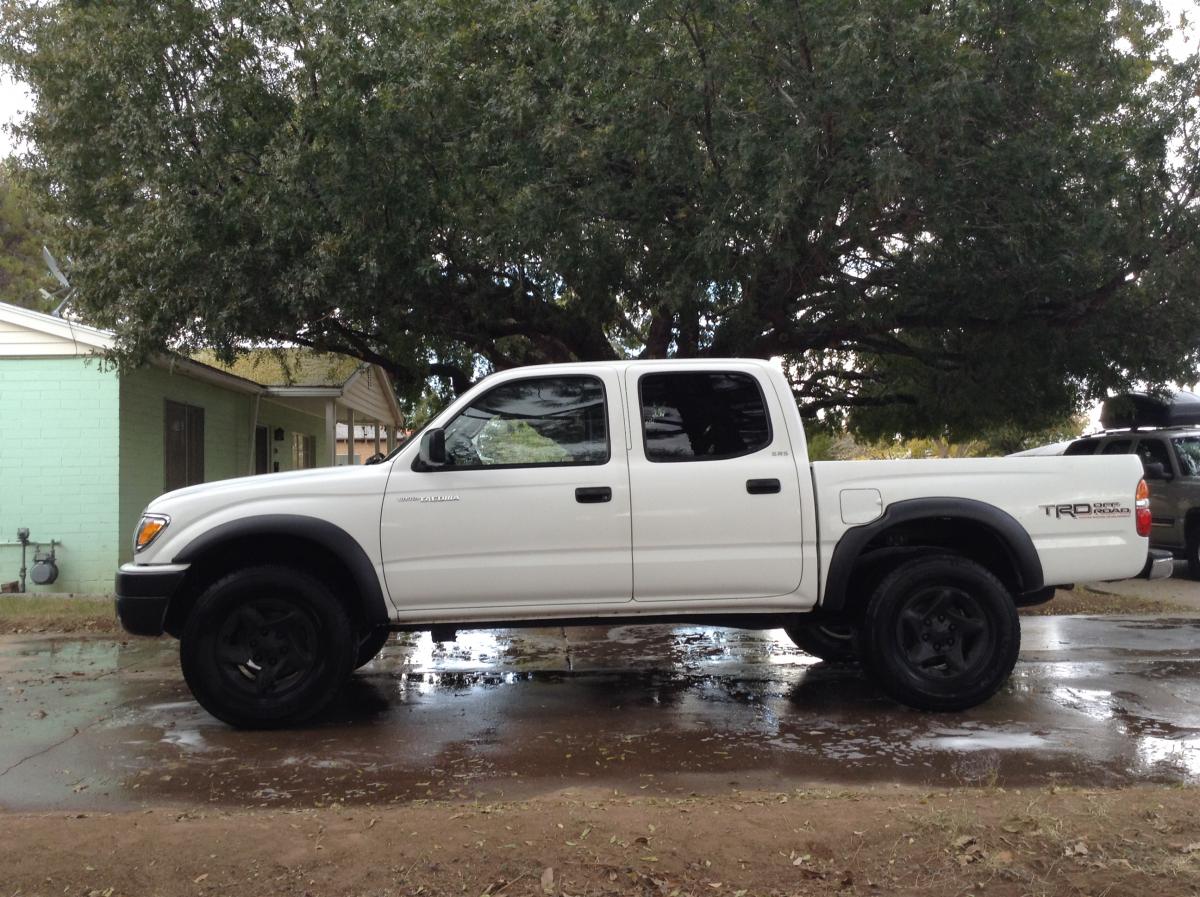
[1180, 755]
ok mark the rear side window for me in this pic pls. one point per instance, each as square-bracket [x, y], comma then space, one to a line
[1117, 447]
[1082, 447]
[702, 416]
[1154, 451]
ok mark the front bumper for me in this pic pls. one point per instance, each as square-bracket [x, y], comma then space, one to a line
[143, 593]
[1160, 564]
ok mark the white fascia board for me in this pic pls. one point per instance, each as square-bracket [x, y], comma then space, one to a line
[70, 331]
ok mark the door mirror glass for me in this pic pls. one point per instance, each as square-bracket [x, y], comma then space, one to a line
[433, 448]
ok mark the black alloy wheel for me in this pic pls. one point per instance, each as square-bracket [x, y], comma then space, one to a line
[268, 647]
[943, 632]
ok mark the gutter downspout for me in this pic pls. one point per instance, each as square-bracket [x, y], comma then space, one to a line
[253, 434]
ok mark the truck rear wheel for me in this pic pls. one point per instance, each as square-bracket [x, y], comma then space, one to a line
[833, 642]
[940, 633]
[266, 647]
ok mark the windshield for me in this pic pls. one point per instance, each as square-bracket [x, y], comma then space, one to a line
[1187, 449]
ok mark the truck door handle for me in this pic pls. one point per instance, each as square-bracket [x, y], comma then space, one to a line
[593, 495]
[762, 487]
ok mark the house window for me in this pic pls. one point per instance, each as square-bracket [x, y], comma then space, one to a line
[183, 445]
[304, 451]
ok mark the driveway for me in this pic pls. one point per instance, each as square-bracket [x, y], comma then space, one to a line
[640, 709]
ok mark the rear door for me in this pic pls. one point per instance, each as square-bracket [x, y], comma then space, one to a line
[714, 486]
[1167, 518]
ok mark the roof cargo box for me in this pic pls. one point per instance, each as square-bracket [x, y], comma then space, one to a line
[1139, 410]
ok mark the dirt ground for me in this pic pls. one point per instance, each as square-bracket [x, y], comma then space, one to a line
[884, 841]
[53, 613]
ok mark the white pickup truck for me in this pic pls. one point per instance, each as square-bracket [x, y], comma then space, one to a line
[639, 491]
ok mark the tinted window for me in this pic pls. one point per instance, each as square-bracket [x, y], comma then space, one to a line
[1082, 447]
[1117, 447]
[547, 420]
[1187, 450]
[702, 416]
[1154, 451]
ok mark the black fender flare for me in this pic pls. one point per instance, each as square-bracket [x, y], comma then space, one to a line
[312, 529]
[1014, 537]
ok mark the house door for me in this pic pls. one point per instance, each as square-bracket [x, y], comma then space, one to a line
[262, 450]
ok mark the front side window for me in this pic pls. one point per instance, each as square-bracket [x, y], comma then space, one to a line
[702, 416]
[1187, 450]
[543, 420]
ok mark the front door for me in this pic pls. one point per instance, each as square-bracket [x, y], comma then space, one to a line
[531, 510]
[716, 493]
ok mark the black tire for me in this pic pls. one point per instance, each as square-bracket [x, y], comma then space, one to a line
[940, 633]
[832, 642]
[370, 645]
[267, 647]
[1193, 551]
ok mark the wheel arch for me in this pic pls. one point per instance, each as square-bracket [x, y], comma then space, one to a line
[309, 542]
[974, 529]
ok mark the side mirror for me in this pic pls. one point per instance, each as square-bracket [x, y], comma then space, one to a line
[1154, 470]
[433, 448]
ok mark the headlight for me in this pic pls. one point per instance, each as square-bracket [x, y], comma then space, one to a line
[148, 529]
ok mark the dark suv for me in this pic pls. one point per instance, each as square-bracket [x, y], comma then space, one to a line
[1171, 457]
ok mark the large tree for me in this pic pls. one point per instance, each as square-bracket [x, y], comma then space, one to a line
[24, 230]
[943, 215]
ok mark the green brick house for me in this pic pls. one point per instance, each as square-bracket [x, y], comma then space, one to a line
[84, 447]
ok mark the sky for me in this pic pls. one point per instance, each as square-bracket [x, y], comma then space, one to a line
[15, 99]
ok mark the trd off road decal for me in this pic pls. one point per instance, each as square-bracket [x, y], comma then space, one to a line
[1093, 510]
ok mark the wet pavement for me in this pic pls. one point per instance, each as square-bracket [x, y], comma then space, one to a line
[100, 723]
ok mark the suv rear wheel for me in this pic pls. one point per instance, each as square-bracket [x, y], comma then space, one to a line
[940, 633]
[1193, 550]
[267, 647]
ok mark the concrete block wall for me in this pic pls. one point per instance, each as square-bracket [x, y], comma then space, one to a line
[70, 493]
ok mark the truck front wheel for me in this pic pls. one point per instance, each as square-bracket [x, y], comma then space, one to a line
[940, 633]
[370, 645]
[267, 647]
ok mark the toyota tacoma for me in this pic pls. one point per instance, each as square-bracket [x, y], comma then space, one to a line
[617, 492]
